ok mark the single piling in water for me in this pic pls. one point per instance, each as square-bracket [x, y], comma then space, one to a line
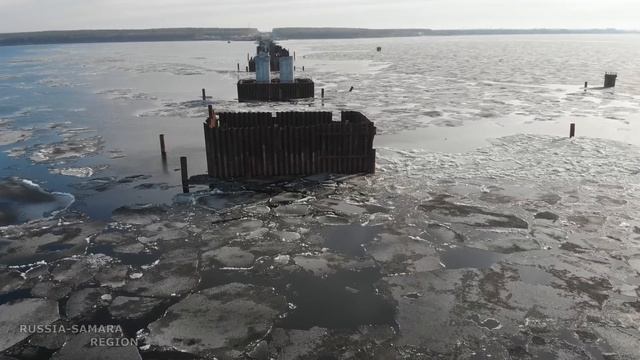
[204, 95]
[322, 94]
[572, 130]
[246, 69]
[185, 174]
[610, 79]
[238, 67]
[163, 150]
[165, 166]
[586, 84]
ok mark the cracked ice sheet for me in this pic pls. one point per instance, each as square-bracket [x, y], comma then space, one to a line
[574, 262]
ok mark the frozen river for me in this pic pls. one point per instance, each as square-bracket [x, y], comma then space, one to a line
[485, 232]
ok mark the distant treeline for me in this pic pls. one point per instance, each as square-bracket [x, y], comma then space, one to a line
[347, 33]
[344, 33]
[92, 36]
[237, 34]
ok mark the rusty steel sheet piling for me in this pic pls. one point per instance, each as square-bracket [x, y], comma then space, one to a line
[246, 145]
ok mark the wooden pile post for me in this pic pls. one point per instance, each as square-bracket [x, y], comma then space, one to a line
[163, 150]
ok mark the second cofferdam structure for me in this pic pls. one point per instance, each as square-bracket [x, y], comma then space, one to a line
[264, 88]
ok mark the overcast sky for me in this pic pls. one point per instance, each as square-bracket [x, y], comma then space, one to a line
[31, 15]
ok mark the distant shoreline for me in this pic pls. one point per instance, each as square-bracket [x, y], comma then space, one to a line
[249, 34]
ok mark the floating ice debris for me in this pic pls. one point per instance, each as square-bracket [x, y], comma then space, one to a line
[433, 306]
[179, 69]
[164, 234]
[152, 186]
[83, 303]
[186, 108]
[96, 184]
[133, 178]
[327, 263]
[27, 312]
[230, 257]
[257, 209]
[51, 290]
[243, 227]
[547, 215]
[433, 113]
[257, 234]
[113, 276]
[54, 82]
[349, 239]
[149, 266]
[80, 270]
[332, 220]
[131, 308]
[8, 137]
[175, 274]
[143, 214]
[84, 346]
[491, 324]
[10, 281]
[471, 215]
[465, 257]
[227, 200]
[287, 235]
[297, 344]
[293, 210]
[282, 259]
[339, 207]
[67, 150]
[29, 110]
[126, 94]
[8, 77]
[82, 172]
[22, 200]
[116, 154]
[227, 317]
[287, 197]
[74, 133]
[58, 125]
[397, 253]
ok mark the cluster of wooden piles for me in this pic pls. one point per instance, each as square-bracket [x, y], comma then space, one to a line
[259, 144]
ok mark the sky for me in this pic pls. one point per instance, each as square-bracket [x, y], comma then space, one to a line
[36, 15]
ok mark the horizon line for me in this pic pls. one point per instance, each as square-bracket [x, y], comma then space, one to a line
[611, 29]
